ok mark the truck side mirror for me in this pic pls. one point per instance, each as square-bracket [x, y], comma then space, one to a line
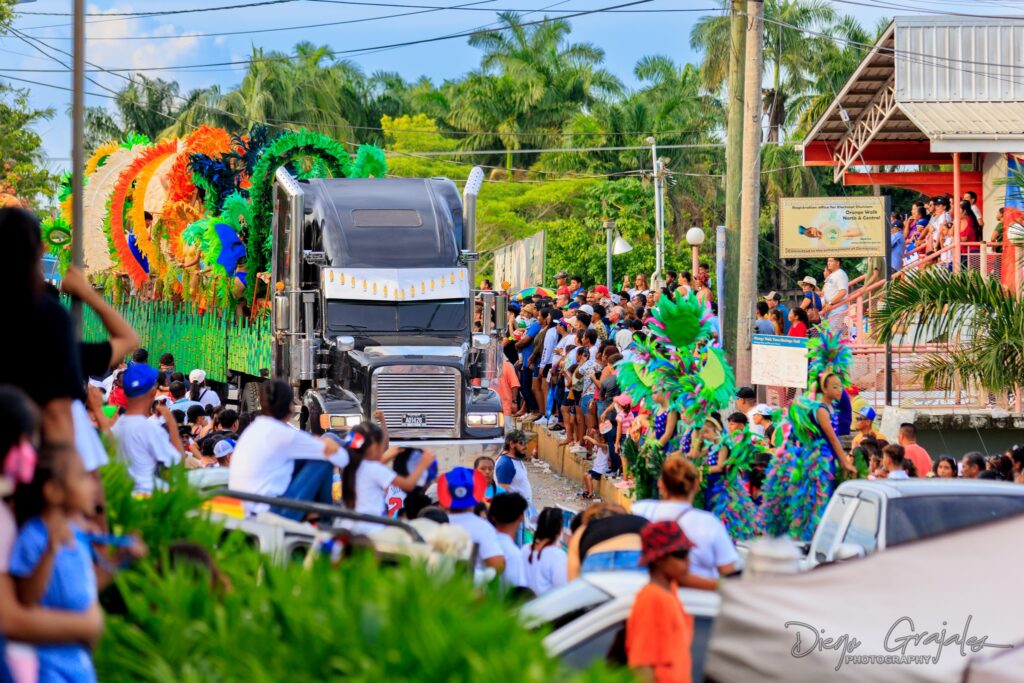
[500, 314]
[487, 321]
[280, 311]
[481, 341]
[344, 343]
[848, 551]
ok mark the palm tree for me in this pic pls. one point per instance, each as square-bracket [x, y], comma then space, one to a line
[790, 52]
[144, 105]
[981, 320]
[836, 58]
[542, 80]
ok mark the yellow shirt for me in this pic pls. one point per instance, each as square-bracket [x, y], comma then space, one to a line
[873, 434]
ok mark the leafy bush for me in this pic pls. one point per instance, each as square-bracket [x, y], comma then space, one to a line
[359, 621]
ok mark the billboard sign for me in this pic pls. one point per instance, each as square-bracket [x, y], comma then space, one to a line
[819, 227]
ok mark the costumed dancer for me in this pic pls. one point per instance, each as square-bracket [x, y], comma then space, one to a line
[725, 460]
[802, 476]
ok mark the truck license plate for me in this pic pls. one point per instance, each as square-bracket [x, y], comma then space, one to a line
[414, 420]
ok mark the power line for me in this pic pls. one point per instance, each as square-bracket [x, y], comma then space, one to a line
[160, 13]
[425, 9]
[288, 28]
[363, 50]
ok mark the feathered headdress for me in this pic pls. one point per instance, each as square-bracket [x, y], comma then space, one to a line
[828, 353]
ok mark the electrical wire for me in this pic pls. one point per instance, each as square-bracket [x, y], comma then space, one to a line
[160, 13]
[375, 48]
[283, 28]
[423, 9]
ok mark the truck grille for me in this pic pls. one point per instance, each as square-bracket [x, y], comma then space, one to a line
[419, 400]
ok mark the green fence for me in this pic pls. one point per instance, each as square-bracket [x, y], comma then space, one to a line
[213, 341]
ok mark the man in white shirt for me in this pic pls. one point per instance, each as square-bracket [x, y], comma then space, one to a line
[510, 467]
[506, 513]
[760, 418]
[143, 443]
[549, 316]
[458, 492]
[273, 458]
[972, 197]
[834, 291]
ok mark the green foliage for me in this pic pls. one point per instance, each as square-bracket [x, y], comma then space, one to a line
[579, 245]
[358, 621]
[22, 169]
[215, 340]
[981, 319]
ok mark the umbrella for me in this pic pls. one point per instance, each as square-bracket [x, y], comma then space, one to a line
[531, 291]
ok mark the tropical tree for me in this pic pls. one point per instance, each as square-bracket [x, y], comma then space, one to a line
[539, 80]
[977, 316]
[144, 105]
[23, 172]
[791, 52]
[836, 58]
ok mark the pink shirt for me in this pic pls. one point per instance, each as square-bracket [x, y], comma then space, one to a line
[922, 461]
[508, 384]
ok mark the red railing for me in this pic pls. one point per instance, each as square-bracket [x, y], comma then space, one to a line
[908, 390]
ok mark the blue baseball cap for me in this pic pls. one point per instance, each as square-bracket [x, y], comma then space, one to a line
[137, 379]
[461, 489]
[574, 304]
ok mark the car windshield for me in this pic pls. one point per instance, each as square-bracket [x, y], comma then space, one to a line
[910, 519]
[345, 317]
[564, 604]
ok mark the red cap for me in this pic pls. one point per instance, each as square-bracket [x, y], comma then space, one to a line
[659, 539]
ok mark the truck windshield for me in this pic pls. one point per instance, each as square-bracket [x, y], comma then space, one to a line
[921, 516]
[387, 316]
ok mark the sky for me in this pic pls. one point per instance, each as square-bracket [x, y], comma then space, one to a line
[116, 42]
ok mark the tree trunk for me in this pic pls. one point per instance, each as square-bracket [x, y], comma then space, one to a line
[733, 168]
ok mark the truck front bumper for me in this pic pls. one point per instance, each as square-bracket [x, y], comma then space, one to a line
[455, 452]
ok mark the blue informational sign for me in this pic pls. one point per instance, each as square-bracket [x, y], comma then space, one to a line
[778, 361]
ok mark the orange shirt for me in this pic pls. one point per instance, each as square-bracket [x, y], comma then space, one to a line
[508, 385]
[659, 634]
[920, 457]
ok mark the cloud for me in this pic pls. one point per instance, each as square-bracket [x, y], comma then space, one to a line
[114, 53]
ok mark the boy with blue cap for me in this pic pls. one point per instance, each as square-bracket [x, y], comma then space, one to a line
[143, 443]
[864, 422]
[458, 492]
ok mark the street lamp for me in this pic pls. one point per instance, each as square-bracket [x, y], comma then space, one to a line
[615, 245]
[659, 214]
[695, 238]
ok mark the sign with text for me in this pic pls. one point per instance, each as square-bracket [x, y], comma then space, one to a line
[778, 361]
[819, 227]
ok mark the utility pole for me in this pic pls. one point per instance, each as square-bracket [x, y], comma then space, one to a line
[751, 200]
[659, 216]
[728, 309]
[78, 155]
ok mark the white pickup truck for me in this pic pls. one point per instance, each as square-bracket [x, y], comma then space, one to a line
[865, 516]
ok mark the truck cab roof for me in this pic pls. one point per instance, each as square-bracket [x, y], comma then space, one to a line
[909, 488]
[363, 221]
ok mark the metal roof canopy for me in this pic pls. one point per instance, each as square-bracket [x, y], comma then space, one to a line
[957, 83]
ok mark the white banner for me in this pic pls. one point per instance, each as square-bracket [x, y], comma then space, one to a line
[391, 284]
[778, 361]
[521, 263]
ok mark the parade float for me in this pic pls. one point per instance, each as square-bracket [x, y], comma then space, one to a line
[173, 228]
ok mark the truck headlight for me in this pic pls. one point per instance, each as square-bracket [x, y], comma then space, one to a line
[485, 419]
[339, 421]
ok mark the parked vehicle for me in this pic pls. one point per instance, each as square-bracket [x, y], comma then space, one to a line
[866, 517]
[587, 614]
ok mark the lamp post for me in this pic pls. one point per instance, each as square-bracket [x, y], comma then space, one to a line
[695, 238]
[609, 229]
[659, 215]
[615, 245]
